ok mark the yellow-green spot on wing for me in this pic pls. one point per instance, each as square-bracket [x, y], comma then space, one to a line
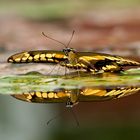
[49, 55]
[44, 95]
[51, 95]
[38, 94]
[42, 57]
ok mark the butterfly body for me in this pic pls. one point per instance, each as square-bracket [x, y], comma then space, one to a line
[89, 61]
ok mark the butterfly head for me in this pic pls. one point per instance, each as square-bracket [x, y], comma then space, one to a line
[68, 50]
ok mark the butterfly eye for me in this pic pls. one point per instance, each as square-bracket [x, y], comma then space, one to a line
[66, 51]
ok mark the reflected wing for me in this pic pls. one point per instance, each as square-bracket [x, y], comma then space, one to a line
[44, 97]
[97, 94]
[44, 56]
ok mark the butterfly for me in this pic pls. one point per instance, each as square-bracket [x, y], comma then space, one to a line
[70, 58]
[88, 61]
[72, 96]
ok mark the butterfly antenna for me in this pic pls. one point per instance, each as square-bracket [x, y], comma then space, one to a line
[54, 39]
[60, 41]
[75, 117]
[70, 38]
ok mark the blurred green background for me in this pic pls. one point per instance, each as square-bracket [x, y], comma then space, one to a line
[101, 25]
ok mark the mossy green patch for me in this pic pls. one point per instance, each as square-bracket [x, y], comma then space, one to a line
[33, 81]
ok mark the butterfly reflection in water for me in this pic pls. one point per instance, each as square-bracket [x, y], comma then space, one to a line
[72, 96]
